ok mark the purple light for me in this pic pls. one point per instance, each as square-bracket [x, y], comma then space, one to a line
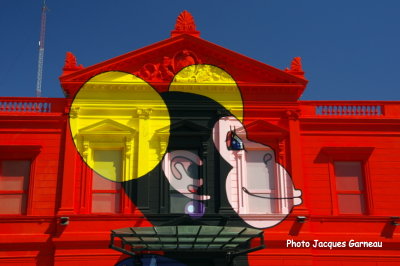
[195, 209]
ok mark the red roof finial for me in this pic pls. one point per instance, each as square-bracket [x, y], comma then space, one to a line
[296, 65]
[185, 25]
[296, 68]
[71, 64]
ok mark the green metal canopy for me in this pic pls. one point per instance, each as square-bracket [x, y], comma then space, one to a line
[186, 238]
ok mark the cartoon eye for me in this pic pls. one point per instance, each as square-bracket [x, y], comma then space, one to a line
[233, 142]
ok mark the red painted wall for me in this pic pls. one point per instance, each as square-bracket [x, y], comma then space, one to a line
[38, 238]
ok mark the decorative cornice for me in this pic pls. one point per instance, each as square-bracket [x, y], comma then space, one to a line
[185, 25]
[293, 114]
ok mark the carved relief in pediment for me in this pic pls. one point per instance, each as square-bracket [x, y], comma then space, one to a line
[165, 70]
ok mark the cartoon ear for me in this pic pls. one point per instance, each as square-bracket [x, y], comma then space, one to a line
[104, 118]
[181, 169]
[219, 85]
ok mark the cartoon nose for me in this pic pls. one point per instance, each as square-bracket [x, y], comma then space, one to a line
[192, 188]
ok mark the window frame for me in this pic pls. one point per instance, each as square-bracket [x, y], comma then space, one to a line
[22, 153]
[171, 190]
[123, 141]
[167, 190]
[243, 198]
[119, 191]
[350, 154]
[125, 205]
[361, 192]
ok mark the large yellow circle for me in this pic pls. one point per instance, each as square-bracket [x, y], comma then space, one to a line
[120, 125]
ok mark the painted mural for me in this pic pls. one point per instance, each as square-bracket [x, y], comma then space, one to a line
[186, 147]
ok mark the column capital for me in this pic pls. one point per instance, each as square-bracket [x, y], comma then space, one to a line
[144, 113]
[293, 114]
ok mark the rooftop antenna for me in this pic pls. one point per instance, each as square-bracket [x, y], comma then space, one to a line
[41, 51]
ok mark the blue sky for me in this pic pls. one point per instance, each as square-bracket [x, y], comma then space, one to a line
[350, 49]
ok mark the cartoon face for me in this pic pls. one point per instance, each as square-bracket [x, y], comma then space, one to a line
[258, 189]
[256, 185]
[184, 151]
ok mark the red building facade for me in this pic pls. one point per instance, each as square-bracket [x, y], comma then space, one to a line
[343, 156]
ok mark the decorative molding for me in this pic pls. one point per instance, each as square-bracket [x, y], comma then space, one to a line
[296, 65]
[293, 114]
[354, 153]
[128, 147]
[144, 113]
[204, 74]
[296, 68]
[185, 25]
[70, 64]
[185, 22]
[167, 67]
[282, 151]
[162, 147]
[85, 150]
[74, 111]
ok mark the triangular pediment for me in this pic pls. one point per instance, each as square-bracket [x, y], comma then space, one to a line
[188, 126]
[159, 62]
[263, 127]
[106, 126]
[183, 126]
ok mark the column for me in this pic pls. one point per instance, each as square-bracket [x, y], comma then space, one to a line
[296, 157]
